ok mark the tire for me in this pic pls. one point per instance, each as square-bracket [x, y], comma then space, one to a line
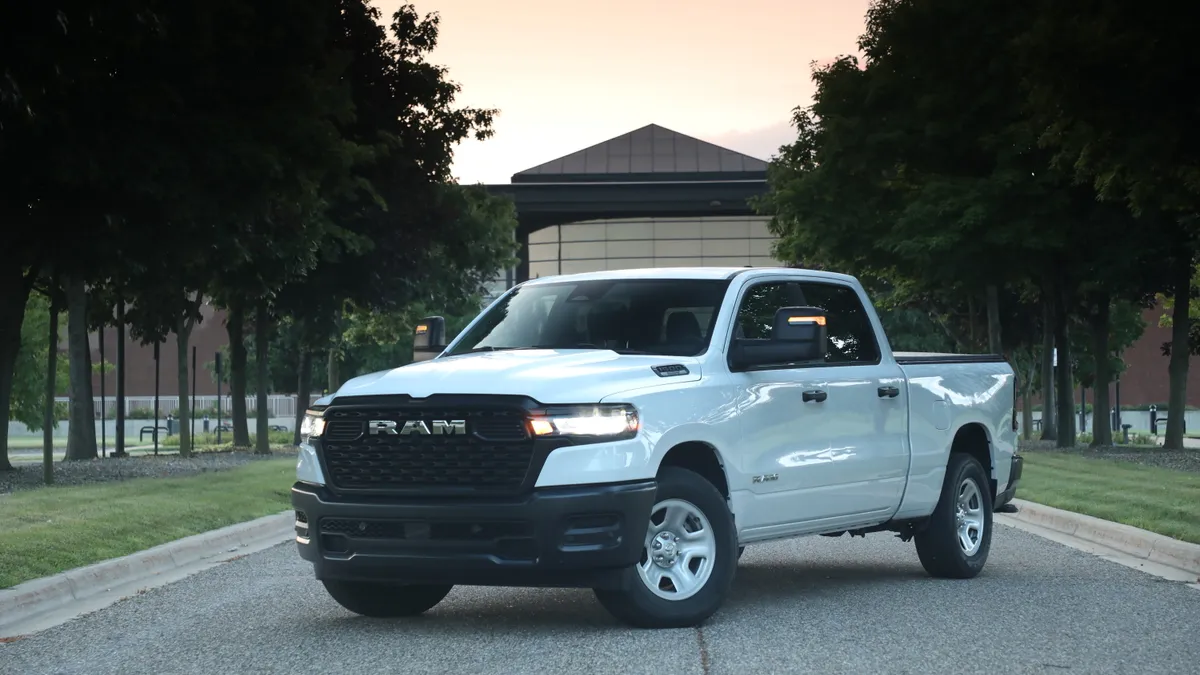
[386, 601]
[646, 604]
[741, 550]
[939, 546]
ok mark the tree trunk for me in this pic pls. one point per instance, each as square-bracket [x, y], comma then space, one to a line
[183, 333]
[1049, 411]
[14, 293]
[48, 417]
[81, 436]
[333, 377]
[302, 388]
[1180, 353]
[262, 415]
[971, 323]
[119, 435]
[236, 327]
[1101, 422]
[1065, 395]
[993, 319]
[1027, 403]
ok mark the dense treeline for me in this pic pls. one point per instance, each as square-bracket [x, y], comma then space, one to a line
[285, 160]
[1018, 177]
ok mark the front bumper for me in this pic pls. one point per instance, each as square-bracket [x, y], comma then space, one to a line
[1014, 479]
[575, 536]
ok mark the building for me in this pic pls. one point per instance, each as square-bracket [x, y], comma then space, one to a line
[652, 197]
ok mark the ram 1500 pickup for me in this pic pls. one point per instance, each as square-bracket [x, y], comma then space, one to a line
[632, 431]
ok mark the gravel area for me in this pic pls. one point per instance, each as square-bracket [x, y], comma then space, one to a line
[1177, 460]
[28, 476]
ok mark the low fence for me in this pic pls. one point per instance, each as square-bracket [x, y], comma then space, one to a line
[142, 407]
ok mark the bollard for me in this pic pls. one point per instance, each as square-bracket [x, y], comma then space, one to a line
[1154, 420]
[1125, 432]
[206, 424]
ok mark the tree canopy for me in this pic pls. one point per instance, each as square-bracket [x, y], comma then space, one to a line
[939, 169]
[286, 160]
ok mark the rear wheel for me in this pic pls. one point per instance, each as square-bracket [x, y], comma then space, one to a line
[385, 601]
[955, 545]
[689, 558]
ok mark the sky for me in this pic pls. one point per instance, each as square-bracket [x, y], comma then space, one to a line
[566, 74]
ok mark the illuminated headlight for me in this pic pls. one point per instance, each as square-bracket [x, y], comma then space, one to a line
[313, 424]
[610, 422]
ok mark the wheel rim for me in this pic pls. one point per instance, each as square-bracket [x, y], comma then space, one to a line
[679, 552]
[968, 516]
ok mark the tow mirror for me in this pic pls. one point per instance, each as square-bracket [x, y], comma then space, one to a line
[798, 336]
[429, 338]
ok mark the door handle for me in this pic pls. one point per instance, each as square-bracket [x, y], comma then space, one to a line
[815, 395]
[889, 392]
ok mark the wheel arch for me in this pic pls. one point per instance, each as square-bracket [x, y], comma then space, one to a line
[974, 439]
[701, 457]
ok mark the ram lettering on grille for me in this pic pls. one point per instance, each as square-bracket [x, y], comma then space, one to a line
[417, 427]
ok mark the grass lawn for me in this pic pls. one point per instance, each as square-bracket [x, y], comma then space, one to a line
[1159, 500]
[31, 443]
[51, 530]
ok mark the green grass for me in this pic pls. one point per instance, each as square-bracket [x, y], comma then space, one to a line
[1159, 500]
[210, 439]
[51, 530]
[33, 443]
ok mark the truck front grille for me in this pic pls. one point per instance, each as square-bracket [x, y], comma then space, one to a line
[493, 455]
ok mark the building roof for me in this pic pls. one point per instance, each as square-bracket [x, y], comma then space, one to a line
[651, 153]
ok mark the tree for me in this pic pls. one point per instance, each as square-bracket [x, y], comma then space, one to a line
[408, 234]
[1140, 149]
[915, 168]
[219, 124]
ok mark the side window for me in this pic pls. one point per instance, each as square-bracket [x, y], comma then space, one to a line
[851, 337]
[756, 316]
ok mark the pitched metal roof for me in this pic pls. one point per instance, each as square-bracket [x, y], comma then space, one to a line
[651, 153]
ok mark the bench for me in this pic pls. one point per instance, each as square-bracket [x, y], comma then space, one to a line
[149, 430]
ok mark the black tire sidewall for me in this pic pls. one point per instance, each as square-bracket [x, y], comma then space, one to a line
[939, 547]
[384, 600]
[639, 605]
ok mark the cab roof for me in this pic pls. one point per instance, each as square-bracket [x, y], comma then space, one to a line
[714, 273]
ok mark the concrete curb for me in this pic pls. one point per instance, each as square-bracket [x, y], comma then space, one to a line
[1118, 536]
[28, 601]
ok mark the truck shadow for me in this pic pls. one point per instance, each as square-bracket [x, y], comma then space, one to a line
[758, 586]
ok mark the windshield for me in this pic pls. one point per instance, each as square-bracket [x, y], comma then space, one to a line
[670, 317]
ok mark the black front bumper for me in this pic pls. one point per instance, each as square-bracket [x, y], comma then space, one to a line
[573, 536]
[1014, 479]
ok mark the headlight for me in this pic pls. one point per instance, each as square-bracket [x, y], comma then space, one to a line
[313, 424]
[612, 422]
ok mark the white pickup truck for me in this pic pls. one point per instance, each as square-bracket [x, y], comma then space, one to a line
[632, 431]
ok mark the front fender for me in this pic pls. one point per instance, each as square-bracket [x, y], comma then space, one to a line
[670, 415]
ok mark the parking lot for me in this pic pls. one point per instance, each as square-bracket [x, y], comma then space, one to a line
[813, 605]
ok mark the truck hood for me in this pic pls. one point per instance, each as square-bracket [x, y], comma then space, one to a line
[546, 375]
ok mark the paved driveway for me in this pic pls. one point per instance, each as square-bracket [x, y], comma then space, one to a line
[814, 605]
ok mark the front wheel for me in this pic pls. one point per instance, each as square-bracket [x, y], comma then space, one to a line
[688, 561]
[955, 545]
[386, 601]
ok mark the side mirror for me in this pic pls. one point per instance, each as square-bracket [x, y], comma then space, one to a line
[429, 338]
[798, 336]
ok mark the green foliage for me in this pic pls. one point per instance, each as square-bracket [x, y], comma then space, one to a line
[29, 386]
[1141, 148]
[1125, 328]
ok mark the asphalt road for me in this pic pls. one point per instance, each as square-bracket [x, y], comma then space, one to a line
[813, 605]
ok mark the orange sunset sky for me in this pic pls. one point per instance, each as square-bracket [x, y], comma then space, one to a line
[566, 74]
